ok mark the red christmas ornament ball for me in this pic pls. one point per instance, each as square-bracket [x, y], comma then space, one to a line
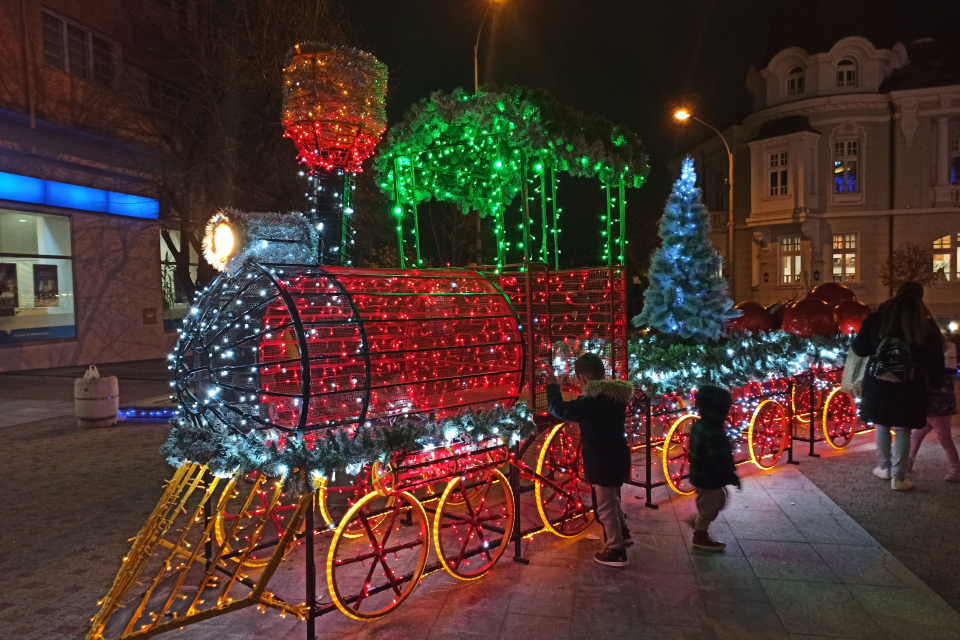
[810, 317]
[850, 315]
[833, 293]
[753, 318]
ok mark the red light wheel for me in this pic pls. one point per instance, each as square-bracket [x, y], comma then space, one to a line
[561, 491]
[370, 574]
[496, 457]
[250, 518]
[472, 533]
[676, 457]
[839, 418]
[800, 400]
[768, 434]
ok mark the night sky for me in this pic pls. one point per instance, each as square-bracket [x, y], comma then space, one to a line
[630, 60]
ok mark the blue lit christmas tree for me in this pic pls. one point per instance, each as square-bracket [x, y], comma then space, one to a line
[687, 295]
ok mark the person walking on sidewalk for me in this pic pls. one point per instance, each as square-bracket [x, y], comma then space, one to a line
[711, 463]
[941, 405]
[905, 351]
[601, 413]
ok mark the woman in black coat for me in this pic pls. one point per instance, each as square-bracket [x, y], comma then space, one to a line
[905, 350]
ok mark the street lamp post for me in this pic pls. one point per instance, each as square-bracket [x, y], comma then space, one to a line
[476, 88]
[683, 115]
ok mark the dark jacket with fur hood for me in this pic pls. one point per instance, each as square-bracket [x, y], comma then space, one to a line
[601, 413]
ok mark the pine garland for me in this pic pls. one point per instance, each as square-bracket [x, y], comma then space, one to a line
[226, 450]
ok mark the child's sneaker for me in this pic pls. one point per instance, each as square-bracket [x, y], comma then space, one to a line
[900, 485]
[880, 472]
[627, 539]
[611, 557]
[953, 475]
[703, 540]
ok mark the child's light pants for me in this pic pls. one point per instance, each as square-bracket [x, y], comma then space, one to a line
[710, 502]
[610, 515]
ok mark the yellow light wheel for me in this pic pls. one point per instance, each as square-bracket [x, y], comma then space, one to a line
[768, 434]
[471, 534]
[563, 492]
[369, 575]
[249, 519]
[839, 418]
[676, 458]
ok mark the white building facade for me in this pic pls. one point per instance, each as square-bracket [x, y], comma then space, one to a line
[848, 155]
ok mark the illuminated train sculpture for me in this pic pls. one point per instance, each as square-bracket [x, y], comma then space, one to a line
[288, 358]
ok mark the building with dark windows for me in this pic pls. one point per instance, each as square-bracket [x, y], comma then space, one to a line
[80, 260]
[851, 151]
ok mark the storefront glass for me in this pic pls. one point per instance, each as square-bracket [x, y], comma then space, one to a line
[36, 277]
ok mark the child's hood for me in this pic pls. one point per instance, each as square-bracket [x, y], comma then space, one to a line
[620, 390]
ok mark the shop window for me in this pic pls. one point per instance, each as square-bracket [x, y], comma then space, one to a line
[36, 277]
[176, 303]
[845, 257]
[795, 82]
[942, 267]
[846, 74]
[73, 49]
[790, 260]
[845, 166]
[778, 174]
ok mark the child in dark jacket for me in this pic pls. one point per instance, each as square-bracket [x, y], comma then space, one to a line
[601, 413]
[711, 462]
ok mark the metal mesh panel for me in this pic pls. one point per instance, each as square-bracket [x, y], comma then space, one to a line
[324, 347]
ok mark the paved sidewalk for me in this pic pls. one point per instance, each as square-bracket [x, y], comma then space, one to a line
[921, 527]
[796, 567]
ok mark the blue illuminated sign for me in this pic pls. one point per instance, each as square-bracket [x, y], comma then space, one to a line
[72, 196]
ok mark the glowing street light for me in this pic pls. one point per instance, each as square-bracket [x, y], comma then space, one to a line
[683, 115]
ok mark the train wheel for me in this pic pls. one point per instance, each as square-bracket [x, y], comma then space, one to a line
[839, 419]
[676, 460]
[497, 457]
[281, 513]
[800, 401]
[563, 493]
[335, 500]
[768, 434]
[471, 534]
[370, 574]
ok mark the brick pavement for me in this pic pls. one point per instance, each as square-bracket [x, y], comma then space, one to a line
[921, 527]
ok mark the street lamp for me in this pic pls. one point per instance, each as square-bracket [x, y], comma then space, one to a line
[683, 115]
[476, 47]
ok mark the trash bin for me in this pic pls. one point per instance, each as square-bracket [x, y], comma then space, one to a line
[97, 400]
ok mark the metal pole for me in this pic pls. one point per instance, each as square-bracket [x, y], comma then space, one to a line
[515, 490]
[544, 251]
[398, 211]
[648, 489]
[556, 224]
[790, 390]
[416, 219]
[813, 379]
[609, 229]
[311, 574]
[526, 214]
[623, 222]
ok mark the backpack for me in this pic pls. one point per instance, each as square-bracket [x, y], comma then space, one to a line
[893, 361]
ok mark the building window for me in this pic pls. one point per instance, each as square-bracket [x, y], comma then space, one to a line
[942, 258]
[778, 174]
[176, 303]
[795, 82]
[845, 157]
[36, 277]
[75, 50]
[790, 260]
[846, 73]
[164, 96]
[845, 257]
[954, 160]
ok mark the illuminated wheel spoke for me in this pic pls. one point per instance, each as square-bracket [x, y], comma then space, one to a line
[839, 418]
[464, 527]
[560, 488]
[767, 435]
[676, 456]
[371, 572]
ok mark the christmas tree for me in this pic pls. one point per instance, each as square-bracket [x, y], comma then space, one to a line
[686, 295]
